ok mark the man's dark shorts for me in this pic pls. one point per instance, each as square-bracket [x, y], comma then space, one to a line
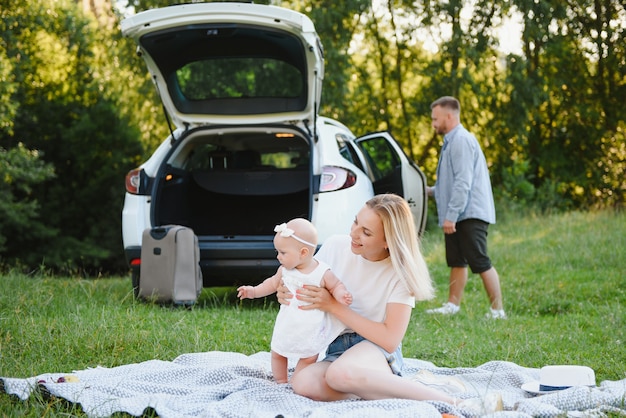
[468, 245]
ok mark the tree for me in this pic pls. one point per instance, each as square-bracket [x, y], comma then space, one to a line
[76, 101]
[570, 88]
[66, 114]
[8, 86]
[20, 169]
[20, 221]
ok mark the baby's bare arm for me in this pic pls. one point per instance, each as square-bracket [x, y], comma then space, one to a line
[266, 288]
[336, 288]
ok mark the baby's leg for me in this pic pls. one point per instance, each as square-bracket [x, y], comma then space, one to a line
[303, 362]
[279, 367]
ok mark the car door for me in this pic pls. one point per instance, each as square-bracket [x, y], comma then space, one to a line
[392, 171]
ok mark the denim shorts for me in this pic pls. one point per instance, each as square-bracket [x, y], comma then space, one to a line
[345, 341]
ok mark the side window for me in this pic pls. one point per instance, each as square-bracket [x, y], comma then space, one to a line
[382, 159]
[347, 151]
[206, 157]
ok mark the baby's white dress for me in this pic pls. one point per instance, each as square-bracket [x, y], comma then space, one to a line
[298, 333]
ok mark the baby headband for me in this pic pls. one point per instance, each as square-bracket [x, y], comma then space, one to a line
[288, 232]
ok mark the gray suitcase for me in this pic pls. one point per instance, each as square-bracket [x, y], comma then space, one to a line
[170, 265]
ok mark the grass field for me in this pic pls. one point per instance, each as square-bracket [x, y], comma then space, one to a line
[563, 279]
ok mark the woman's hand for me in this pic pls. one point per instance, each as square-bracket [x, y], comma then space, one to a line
[283, 295]
[316, 298]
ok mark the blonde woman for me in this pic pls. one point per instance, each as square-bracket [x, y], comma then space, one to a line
[381, 265]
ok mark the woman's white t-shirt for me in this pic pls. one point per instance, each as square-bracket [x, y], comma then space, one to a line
[373, 284]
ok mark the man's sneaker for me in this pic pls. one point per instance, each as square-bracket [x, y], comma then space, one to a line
[496, 314]
[490, 403]
[448, 308]
[448, 384]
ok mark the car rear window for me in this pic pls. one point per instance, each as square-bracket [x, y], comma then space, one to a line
[239, 78]
[231, 69]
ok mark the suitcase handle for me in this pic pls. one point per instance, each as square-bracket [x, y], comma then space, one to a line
[159, 232]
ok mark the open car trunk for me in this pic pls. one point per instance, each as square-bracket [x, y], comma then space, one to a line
[236, 185]
[231, 63]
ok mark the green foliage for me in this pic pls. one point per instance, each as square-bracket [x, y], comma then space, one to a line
[555, 108]
[336, 27]
[8, 107]
[65, 112]
[573, 118]
[550, 120]
[96, 146]
[21, 170]
[516, 189]
[563, 287]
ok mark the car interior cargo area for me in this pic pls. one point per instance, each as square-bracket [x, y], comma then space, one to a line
[235, 185]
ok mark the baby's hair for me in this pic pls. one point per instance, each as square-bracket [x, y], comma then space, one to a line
[304, 229]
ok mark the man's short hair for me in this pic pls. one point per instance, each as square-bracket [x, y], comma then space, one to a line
[448, 102]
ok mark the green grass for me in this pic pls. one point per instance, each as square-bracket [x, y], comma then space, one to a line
[563, 279]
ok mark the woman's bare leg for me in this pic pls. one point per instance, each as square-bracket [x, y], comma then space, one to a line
[363, 372]
[311, 382]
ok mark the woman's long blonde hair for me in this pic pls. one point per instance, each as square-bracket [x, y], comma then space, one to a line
[402, 241]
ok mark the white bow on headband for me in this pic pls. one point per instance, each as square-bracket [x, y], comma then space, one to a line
[288, 232]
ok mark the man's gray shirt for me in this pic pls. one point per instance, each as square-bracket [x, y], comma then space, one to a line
[463, 188]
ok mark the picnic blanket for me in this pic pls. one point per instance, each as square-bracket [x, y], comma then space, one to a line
[226, 384]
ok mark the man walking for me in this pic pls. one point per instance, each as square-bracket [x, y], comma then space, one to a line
[465, 207]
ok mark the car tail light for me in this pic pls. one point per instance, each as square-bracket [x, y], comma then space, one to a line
[133, 181]
[336, 178]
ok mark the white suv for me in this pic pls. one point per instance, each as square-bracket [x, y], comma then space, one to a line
[242, 84]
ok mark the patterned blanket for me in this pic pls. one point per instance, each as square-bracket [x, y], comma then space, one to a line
[224, 384]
